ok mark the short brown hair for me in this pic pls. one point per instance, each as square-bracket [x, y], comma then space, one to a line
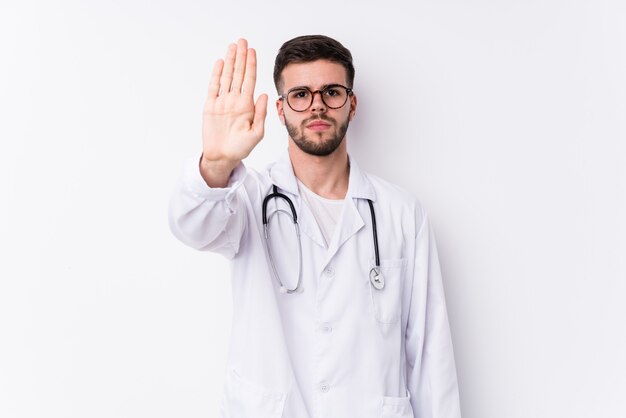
[310, 48]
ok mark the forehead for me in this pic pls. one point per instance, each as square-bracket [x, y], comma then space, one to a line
[313, 74]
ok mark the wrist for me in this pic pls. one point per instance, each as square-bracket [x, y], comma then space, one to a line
[216, 173]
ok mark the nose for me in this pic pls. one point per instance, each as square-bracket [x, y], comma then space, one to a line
[318, 104]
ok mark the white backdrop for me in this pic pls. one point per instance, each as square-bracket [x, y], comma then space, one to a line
[506, 119]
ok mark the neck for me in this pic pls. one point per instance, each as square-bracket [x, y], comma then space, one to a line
[325, 176]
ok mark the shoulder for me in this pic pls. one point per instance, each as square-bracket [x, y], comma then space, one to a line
[387, 190]
[398, 201]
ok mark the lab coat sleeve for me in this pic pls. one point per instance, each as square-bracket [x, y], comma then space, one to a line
[205, 218]
[431, 371]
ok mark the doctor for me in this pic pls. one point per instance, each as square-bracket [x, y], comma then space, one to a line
[340, 311]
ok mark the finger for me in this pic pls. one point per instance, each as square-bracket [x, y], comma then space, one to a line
[227, 71]
[214, 82]
[249, 80]
[240, 65]
[260, 112]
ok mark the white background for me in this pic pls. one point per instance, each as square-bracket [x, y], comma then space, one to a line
[506, 119]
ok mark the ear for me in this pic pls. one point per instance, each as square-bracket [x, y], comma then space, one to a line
[280, 110]
[353, 103]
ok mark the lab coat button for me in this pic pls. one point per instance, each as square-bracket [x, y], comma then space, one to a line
[324, 387]
[329, 271]
[326, 328]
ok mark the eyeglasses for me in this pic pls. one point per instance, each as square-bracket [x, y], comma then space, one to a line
[301, 98]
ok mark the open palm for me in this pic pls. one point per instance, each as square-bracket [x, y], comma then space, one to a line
[232, 123]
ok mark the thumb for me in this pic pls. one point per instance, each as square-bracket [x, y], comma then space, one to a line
[260, 112]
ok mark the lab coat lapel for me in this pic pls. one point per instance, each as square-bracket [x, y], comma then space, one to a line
[282, 175]
[310, 226]
[350, 223]
[359, 188]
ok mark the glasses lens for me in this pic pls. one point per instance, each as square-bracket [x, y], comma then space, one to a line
[299, 99]
[334, 96]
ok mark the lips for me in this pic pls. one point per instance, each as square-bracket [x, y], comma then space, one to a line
[318, 125]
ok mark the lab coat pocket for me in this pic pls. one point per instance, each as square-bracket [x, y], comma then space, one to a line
[387, 302]
[246, 399]
[394, 407]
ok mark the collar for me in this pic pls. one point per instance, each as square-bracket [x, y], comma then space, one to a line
[359, 186]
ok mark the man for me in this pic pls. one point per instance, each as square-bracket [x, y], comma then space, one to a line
[342, 314]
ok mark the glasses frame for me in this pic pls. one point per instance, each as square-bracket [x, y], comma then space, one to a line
[285, 96]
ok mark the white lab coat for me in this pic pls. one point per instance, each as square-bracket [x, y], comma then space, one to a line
[341, 348]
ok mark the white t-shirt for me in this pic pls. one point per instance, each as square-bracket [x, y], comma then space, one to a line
[326, 211]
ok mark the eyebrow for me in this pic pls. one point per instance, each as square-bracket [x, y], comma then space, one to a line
[325, 86]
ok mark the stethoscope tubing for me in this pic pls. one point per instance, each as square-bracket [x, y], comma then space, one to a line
[376, 276]
[371, 205]
[282, 196]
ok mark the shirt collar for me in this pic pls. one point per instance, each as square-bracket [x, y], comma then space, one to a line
[359, 186]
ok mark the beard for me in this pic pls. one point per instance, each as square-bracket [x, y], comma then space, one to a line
[320, 149]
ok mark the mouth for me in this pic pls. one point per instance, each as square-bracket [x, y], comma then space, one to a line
[318, 125]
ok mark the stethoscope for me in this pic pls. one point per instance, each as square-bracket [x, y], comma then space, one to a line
[376, 277]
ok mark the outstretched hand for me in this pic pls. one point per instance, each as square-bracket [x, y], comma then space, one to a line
[232, 124]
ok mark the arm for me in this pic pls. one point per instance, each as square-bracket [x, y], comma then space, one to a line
[205, 211]
[431, 371]
[208, 218]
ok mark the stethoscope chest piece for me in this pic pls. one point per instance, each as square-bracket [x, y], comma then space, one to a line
[377, 278]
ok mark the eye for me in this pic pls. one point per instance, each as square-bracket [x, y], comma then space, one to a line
[332, 92]
[299, 94]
